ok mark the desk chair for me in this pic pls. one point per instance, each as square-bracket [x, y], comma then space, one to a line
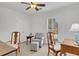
[52, 45]
[15, 41]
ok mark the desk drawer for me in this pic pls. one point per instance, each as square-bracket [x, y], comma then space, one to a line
[69, 49]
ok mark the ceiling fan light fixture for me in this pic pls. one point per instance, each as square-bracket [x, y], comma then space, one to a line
[33, 6]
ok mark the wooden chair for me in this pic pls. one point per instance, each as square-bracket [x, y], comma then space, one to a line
[52, 44]
[15, 41]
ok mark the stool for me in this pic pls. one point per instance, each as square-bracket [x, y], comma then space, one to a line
[34, 46]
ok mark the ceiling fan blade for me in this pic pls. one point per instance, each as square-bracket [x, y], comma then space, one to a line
[32, 3]
[25, 3]
[42, 5]
[28, 7]
[36, 9]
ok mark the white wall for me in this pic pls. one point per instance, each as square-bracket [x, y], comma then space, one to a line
[10, 21]
[65, 17]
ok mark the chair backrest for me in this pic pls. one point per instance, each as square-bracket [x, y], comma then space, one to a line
[15, 37]
[39, 35]
[51, 37]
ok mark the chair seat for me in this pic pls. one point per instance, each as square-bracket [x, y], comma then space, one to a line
[13, 45]
[56, 47]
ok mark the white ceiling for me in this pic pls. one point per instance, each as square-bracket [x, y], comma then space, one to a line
[17, 6]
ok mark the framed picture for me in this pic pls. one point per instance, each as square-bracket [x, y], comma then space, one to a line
[52, 25]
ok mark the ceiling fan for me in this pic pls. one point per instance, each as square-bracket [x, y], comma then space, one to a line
[33, 5]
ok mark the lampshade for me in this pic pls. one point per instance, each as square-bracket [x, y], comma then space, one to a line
[74, 27]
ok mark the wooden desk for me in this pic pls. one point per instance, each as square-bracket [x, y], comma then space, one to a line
[6, 49]
[68, 47]
[28, 37]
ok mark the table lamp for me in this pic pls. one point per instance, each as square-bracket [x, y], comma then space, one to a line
[75, 28]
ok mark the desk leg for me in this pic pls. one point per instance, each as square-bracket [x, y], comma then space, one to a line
[30, 40]
[26, 41]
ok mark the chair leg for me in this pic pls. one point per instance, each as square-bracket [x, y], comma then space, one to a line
[56, 53]
[60, 54]
[48, 51]
[63, 54]
[16, 52]
[19, 49]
